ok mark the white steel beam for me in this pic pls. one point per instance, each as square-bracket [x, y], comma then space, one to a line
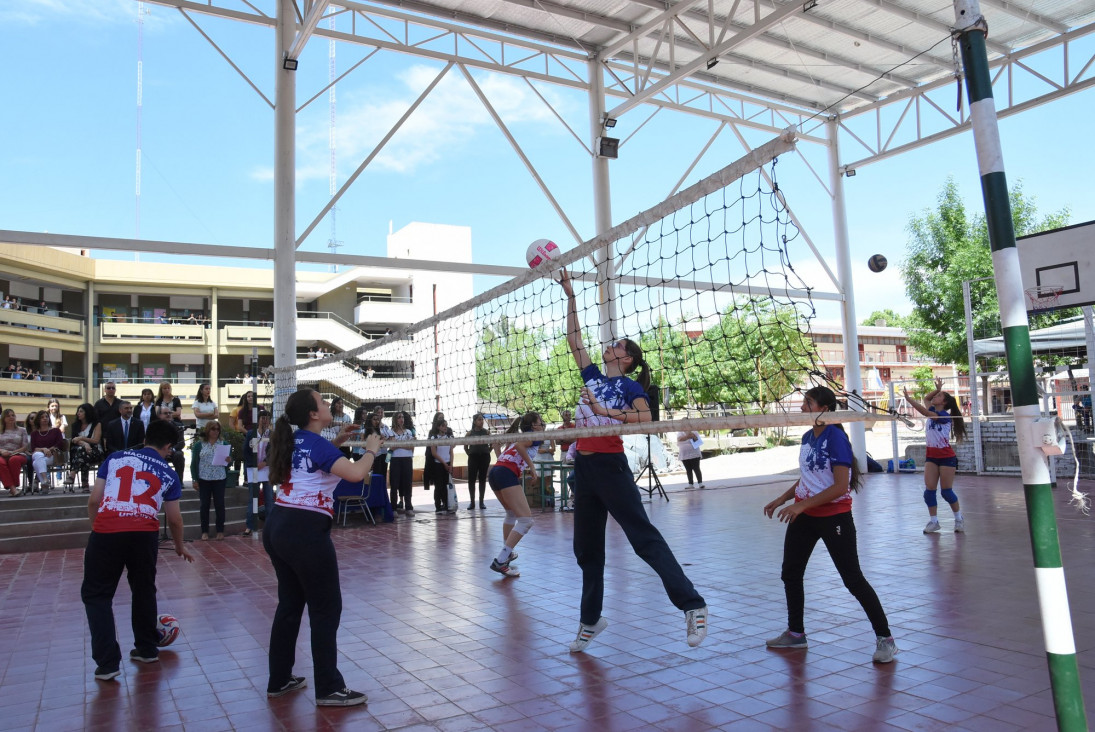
[372, 155]
[656, 21]
[773, 18]
[520, 153]
[311, 19]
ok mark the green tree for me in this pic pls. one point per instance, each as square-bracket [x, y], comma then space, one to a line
[925, 380]
[947, 246]
[892, 319]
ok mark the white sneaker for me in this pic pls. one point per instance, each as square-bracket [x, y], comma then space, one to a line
[959, 526]
[702, 486]
[885, 650]
[932, 527]
[586, 633]
[697, 625]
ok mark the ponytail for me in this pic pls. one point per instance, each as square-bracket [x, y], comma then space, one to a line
[523, 423]
[637, 360]
[298, 413]
[279, 454]
[958, 425]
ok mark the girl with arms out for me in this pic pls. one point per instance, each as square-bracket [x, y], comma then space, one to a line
[823, 510]
[603, 484]
[297, 537]
[505, 481]
[944, 420]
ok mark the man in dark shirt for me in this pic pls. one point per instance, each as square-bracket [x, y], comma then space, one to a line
[107, 407]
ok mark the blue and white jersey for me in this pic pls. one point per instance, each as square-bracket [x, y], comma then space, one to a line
[137, 482]
[816, 459]
[310, 485]
[614, 392]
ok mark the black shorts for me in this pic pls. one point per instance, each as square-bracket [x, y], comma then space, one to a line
[499, 478]
[951, 462]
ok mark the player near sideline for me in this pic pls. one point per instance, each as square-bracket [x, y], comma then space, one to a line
[505, 480]
[604, 485]
[823, 510]
[297, 537]
[945, 419]
[123, 507]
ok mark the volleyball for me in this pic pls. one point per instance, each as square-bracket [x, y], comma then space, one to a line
[541, 251]
[877, 263]
[168, 628]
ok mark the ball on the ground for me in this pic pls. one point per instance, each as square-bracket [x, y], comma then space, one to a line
[168, 628]
[541, 251]
[877, 263]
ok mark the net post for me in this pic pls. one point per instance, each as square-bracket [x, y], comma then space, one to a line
[1064, 675]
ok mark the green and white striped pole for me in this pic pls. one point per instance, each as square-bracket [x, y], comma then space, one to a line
[1064, 672]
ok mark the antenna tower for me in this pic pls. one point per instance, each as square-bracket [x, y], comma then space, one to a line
[333, 243]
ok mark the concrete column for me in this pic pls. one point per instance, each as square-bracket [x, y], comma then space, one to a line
[285, 291]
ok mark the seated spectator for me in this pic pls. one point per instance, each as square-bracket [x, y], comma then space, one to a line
[85, 444]
[14, 442]
[57, 419]
[47, 445]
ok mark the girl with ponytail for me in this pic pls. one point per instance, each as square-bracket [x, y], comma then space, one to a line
[603, 483]
[944, 423]
[823, 510]
[297, 537]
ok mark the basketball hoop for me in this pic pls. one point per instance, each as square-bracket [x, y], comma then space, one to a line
[1043, 298]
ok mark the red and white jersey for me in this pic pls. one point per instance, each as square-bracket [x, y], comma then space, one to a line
[937, 435]
[137, 484]
[511, 458]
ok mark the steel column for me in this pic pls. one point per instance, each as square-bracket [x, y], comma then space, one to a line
[285, 128]
[853, 379]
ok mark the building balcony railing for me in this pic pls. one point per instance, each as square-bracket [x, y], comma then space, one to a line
[389, 313]
[143, 330]
[50, 321]
[60, 388]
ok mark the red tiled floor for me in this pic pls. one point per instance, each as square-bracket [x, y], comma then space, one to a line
[439, 642]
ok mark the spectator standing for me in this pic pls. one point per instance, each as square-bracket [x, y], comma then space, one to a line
[209, 477]
[169, 409]
[255, 445]
[242, 416]
[205, 408]
[441, 468]
[106, 409]
[478, 461]
[402, 464]
[568, 423]
[688, 452]
[146, 408]
[56, 419]
[339, 419]
[14, 442]
[125, 535]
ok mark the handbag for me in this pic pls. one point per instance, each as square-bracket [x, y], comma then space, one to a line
[453, 501]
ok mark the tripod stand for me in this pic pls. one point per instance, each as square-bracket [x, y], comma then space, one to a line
[652, 480]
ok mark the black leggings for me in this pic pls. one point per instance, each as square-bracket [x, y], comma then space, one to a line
[400, 472]
[692, 465]
[838, 534]
[478, 465]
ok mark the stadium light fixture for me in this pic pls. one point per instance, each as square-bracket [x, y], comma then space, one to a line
[289, 64]
[711, 62]
[609, 122]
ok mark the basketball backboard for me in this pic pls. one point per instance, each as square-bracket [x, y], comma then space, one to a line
[1058, 267]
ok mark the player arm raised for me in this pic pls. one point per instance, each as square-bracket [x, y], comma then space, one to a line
[917, 405]
[574, 328]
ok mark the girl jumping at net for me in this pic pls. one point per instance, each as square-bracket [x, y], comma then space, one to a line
[505, 480]
[604, 485]
[945, 419]
[823, 510]
[298, 539]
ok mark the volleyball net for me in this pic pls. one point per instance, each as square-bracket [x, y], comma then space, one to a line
[703, 282]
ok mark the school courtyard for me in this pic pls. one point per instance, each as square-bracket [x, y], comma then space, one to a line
[439, 642]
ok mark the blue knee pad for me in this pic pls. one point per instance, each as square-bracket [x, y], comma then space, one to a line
[948, 495]
[929, 498]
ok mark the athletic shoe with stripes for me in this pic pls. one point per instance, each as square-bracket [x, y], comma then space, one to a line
[294, 683]
[506, 569]
[697, 625]
[342, 698]
[586, 633]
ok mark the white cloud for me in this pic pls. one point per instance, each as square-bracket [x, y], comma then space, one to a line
[33, 12]
[448, 119]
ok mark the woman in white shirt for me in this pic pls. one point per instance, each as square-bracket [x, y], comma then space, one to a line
[205, 409]
[688, 451]
[441, 469]
[146, 409]
[339, 418]
[400, 465]
[56, 419]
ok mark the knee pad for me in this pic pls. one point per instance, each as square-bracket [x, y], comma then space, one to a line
[511, 517]
[929, 498]
[522, 525]
[948, 496]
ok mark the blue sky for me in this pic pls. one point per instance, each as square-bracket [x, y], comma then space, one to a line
[70, 134]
